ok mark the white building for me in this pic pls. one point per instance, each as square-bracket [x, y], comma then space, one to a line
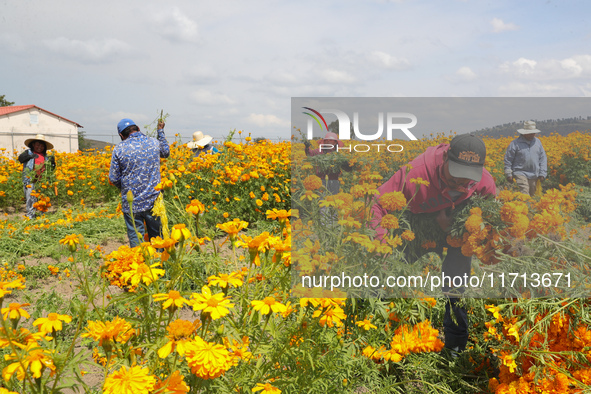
[21, 122]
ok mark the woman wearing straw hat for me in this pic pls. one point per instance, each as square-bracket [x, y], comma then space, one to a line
[202, 144]
[525, 160]
[34, 160]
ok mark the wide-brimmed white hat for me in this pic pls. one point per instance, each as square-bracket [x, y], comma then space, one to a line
[40, 137]
[199, 140]
[529, 127]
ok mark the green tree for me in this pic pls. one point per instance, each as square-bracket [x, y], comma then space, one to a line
[4, 102]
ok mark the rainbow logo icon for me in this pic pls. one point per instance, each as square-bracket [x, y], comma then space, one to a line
[315, 118]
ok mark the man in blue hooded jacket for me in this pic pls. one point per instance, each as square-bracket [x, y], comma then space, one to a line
[525, 159]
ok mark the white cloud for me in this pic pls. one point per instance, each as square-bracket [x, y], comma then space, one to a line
[173, 25]
[499, 26]
[206, 97]
[89, 50]
[266, 120]
[388, 61]
[549, 69]
[330, 75]
[537, 89]
[466, 74]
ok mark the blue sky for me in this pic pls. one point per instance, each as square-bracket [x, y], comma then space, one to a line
[218, 66]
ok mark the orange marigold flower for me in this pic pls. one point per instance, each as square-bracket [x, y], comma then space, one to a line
[407, 235]
[312, 182]
[174, 384]
[393, 201]
[389, 222]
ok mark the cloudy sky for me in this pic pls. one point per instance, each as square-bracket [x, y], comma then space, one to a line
[229, 64]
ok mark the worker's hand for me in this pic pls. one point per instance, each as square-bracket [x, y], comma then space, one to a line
[160, 125]
[510, 178]
[541, 178]
[444, 221]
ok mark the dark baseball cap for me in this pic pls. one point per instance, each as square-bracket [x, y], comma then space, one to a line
[466, 156]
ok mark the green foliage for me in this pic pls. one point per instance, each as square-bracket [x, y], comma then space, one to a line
[4, 102]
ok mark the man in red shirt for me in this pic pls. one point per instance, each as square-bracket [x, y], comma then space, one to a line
[455, 172]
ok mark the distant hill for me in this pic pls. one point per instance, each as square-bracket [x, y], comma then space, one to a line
[95, 144]
[561, 126]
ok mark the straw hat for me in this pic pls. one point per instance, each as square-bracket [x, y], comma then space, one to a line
[332, 136]
[529, 127]
[199, 140]
[39, 137]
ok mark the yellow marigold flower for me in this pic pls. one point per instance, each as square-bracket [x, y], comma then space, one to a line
[118, 330]
[252, 195]
[53, 269]
[36, 360]
[5, 391]
[15, 284]
[142, 272]
[180, 232]
[207, 360]
[509, 362]
[179, 332]
[216, 305]
[71, 241]
[393, 201]
[312, 182]
[259, 202]
[224, 280]
[52, 322]
[267, 305]
[495, 311]
[331, 316]
[365, 324]
[233, 228]
[159, 243]
[195, 207]
[172, 299]
[265, 389]
[278, 214]
[14, 311]
[419, 181]
[129, 380]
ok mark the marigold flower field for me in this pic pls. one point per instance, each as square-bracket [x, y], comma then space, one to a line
[209, 306]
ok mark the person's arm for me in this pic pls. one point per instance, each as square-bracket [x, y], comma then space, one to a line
[543, 163]
[51, 162]
[26, 156]
[115, 171]
[307, 147]
[509, 157]
[164, 148]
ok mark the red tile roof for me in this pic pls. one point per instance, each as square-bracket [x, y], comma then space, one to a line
[17, 108]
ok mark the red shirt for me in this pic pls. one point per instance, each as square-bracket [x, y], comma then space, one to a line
[39, 167]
